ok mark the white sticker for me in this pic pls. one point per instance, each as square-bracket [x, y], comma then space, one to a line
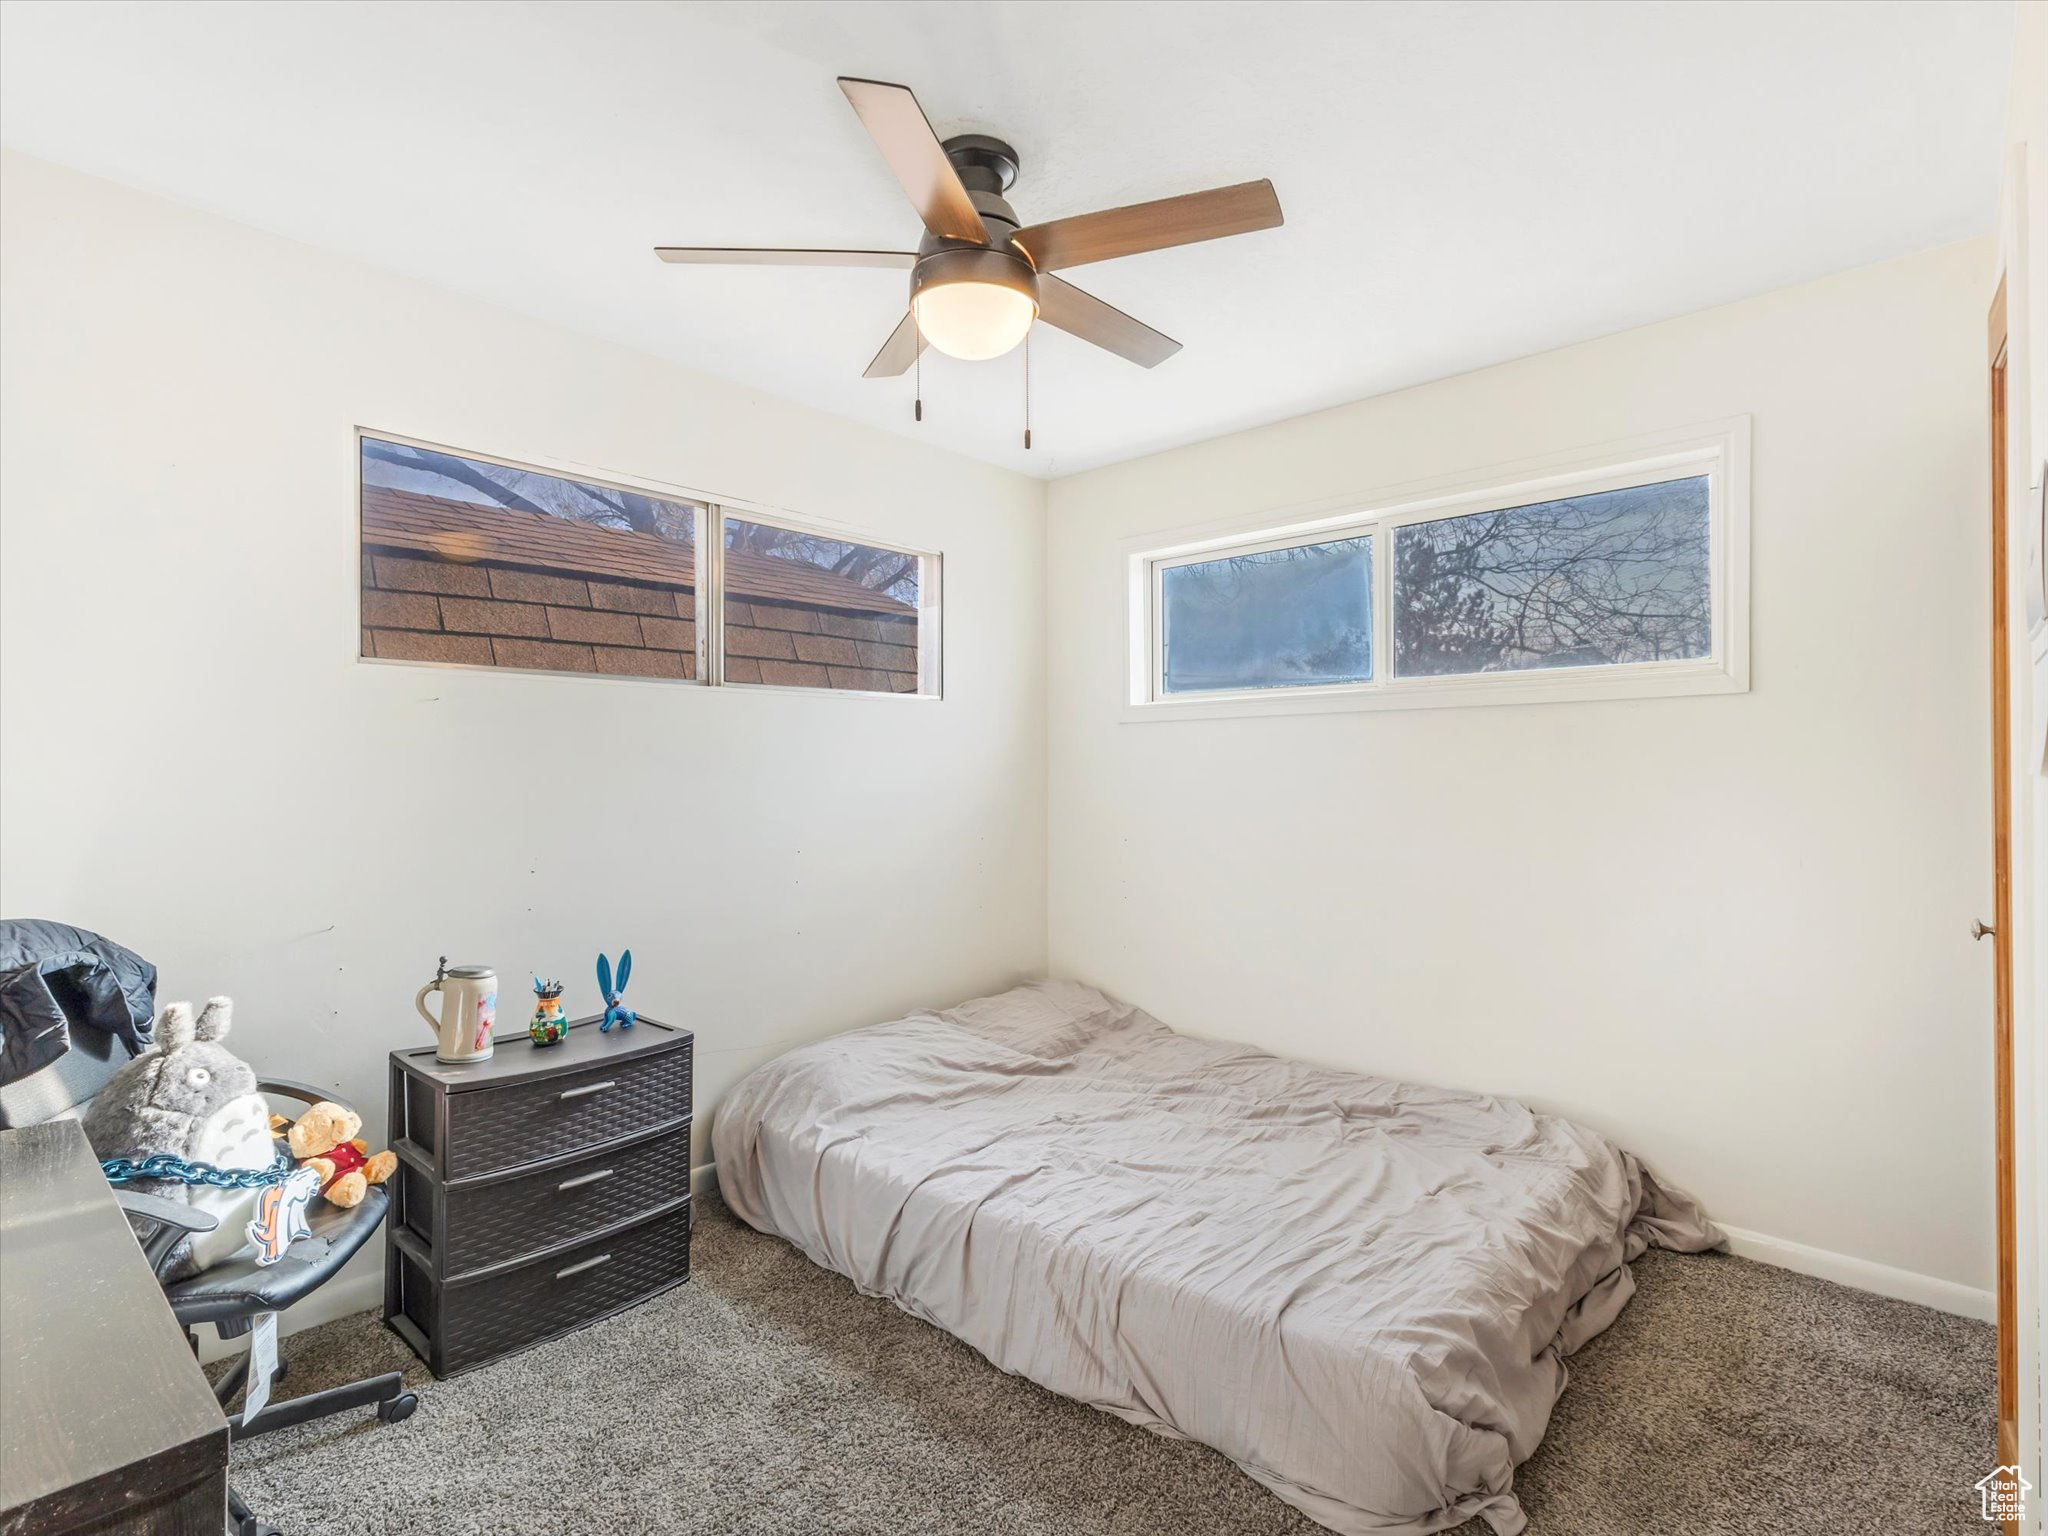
[262, 1365]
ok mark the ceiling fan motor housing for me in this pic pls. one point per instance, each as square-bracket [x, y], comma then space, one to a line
[987, 167]
[984, 164]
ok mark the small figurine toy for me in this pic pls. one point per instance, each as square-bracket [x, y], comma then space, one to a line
[615, 1012]
[548, 1027]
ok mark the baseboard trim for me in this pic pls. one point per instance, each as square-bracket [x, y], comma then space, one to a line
[1864, 1274]
[704, 1180]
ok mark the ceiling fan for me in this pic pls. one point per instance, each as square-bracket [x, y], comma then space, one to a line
[978, 279]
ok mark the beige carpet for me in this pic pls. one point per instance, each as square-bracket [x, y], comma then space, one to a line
[768, 1398]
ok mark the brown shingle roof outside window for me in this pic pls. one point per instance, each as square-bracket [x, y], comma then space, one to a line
[465, 583]
[467, 532]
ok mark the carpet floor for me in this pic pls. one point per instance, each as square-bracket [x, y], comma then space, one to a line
[768, 1398]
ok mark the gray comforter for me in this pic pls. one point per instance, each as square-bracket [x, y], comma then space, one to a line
[1360, 1291]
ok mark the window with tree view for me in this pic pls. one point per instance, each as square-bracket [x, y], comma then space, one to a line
[1601, 580]
[1606, 579]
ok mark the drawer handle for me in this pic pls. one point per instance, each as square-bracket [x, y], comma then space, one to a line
[577, 1269]
[577, 1093]
[587, 1178]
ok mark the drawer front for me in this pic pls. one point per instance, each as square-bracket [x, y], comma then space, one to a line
[488, 1318]
[497, 1222]
[490, 1129]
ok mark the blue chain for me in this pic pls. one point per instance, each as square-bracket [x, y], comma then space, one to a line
[165, 1165]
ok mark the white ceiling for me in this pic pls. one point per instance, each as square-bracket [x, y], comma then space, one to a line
[1463, 183]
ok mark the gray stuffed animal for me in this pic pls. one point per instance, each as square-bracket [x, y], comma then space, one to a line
[189, 1096]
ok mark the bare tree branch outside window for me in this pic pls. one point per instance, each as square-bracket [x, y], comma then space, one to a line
[402, 467]
[1597, 580]
[886, 571]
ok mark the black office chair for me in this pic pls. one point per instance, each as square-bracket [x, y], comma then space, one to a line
[233, 1295]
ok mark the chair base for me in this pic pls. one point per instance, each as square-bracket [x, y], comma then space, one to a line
[386, 1393]
[244, 1522]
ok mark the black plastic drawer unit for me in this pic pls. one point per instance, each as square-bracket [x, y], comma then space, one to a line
[537, 1191]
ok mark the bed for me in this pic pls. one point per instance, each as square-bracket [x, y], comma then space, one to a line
[1360, 1291]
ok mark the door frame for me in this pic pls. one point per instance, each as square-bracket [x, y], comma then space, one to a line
[2001, 897]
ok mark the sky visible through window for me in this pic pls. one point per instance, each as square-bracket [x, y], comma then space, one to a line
[1282, 618]
[402, 467]
[887, 571]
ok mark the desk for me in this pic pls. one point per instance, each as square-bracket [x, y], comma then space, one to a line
[107, 1424]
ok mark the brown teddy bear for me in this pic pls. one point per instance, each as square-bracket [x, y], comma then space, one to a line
[324, 1139]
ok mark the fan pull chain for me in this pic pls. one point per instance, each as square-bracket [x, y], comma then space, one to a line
[917, 367]
[1027, 391]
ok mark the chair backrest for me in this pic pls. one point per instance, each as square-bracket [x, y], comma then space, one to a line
[64, 1088]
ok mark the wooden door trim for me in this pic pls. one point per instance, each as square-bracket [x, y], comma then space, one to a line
[2001, 900]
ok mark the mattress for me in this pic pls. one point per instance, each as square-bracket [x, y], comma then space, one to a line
[1360, 1291]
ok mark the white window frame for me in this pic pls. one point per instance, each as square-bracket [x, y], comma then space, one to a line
[711, 512]
[1719, 450]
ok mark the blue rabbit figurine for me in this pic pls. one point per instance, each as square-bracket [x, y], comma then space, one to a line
[615, 1012]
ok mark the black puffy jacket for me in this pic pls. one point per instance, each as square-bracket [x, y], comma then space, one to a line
[54, 977]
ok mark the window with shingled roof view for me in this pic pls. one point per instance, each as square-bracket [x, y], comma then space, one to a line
[789, 622]
[477, 562]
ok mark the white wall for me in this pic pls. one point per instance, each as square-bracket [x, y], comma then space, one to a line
[1732, 931]
[193, 761]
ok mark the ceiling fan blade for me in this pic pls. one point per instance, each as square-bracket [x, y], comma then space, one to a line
[1083, 315]
[756, 256]
[1171, 221]
[904, 135]
[898, 352]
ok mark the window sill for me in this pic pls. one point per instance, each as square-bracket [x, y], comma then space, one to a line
[1580, 685]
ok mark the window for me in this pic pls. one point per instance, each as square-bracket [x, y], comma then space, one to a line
[480, 562]
[1606, 579]
[1580, 580]
[1297, 616]
[804, 610]
[475, 562]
